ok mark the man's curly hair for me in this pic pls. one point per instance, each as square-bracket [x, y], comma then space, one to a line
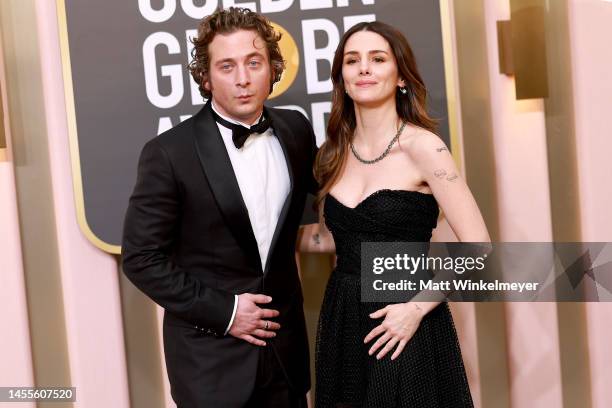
[225, 22]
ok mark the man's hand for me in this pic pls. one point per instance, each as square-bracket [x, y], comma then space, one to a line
[251, 321]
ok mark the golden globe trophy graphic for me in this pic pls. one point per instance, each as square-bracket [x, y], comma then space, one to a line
[291, 54]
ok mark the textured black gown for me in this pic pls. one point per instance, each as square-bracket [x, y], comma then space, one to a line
[429, 372]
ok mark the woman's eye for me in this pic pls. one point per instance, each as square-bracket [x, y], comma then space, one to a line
[379, 59]
[350, 61]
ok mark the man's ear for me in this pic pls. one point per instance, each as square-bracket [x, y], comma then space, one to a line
[205, 81]
[273, 73]
[272, 79]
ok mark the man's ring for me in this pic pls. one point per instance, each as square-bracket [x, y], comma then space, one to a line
[266, 328]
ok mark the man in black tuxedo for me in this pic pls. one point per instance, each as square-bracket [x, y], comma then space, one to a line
[211, 227]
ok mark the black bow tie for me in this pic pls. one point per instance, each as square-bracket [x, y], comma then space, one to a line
[241, 133]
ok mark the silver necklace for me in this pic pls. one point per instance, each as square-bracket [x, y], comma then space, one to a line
[385, 153]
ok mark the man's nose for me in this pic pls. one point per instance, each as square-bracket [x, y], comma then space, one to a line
[243, 77]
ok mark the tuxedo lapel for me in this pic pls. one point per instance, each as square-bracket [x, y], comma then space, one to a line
[285, 137]
[223, 183]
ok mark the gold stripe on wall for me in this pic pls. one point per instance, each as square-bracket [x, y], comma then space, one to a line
[492, 354]
[476, 113]
[477, 124]
[315, 270]
[560, 128]
[2, 135]
[574, 355]
[450, 70]
[3, 155]
[143, 356]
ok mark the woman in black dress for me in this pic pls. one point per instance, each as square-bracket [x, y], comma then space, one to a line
[383, 174]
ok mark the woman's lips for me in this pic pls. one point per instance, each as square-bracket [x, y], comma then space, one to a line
[365, 84]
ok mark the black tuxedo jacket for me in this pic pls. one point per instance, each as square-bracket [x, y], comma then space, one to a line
[188, 244]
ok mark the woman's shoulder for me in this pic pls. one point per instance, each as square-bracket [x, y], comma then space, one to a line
[421, 144]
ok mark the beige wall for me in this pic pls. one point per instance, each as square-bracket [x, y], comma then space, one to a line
[15, 349]
[590, 25]
[524, 215]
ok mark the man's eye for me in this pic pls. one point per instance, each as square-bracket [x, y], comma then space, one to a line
[254, 63]
[226, 67]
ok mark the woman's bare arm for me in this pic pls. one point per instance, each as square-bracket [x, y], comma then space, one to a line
[454, 197]
[315, 238]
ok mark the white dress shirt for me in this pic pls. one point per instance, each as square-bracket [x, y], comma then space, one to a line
[261, 171]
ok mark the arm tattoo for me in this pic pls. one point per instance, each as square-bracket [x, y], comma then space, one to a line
[452, 177]
[441, 149]
[440, 173]
[317, 239]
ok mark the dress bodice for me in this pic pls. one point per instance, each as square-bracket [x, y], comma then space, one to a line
[384, 216]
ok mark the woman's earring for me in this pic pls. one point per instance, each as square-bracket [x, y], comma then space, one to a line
[403, 90]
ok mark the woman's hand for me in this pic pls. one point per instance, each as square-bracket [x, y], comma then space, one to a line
[401, 322]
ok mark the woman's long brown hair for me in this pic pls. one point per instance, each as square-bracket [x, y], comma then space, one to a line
[411, 107]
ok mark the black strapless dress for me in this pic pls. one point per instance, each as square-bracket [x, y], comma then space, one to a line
[430, 371]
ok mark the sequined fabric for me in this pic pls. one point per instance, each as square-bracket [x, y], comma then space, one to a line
[429, 373]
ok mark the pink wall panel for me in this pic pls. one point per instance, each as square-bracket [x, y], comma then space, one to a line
[590, 33]
[15, 351]
[524, 215]
[89, 276]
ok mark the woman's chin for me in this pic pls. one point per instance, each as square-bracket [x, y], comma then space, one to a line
[372, 101]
